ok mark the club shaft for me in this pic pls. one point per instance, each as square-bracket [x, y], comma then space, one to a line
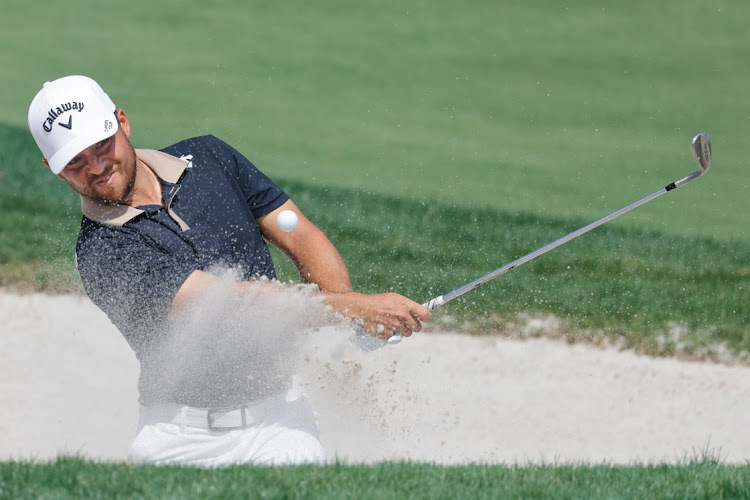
[701, 148]
[443, 299]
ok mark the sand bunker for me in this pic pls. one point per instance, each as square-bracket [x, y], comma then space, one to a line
[68, 386]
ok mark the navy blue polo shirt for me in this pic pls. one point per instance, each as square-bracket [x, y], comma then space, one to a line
[133, 260]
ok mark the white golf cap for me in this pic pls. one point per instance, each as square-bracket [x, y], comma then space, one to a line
[67, 116]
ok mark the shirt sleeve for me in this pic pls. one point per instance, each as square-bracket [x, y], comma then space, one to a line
[132, 279]
[262, 194]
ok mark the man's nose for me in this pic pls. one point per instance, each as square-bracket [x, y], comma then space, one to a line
[97, 164]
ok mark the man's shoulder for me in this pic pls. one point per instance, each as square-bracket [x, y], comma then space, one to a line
[94, 230]
[197, 145]
[210, 155]
[94, 237]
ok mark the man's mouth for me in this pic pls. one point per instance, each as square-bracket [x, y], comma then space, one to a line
[105, 180]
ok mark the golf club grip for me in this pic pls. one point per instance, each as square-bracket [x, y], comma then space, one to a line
[434, 303]
[431, 305]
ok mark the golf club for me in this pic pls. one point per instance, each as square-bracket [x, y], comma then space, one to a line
[701, 147]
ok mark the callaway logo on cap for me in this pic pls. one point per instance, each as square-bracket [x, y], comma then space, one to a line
[67, 116]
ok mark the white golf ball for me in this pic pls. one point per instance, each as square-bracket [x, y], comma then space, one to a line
[287, 220]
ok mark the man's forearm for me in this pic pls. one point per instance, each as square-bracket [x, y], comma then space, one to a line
[320, 263]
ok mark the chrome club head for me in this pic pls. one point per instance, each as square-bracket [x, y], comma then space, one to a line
[701, 147]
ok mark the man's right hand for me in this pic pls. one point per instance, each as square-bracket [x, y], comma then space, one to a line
[381, 315]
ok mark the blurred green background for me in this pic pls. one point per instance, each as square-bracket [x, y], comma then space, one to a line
[559, 109]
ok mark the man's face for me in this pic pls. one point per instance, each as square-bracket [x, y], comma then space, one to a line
[105, 171]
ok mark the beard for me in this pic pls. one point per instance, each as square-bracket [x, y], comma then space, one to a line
[119, 190]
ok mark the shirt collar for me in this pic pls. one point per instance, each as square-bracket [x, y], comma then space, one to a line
[165, 166]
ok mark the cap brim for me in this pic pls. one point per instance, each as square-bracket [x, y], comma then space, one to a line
[60, 160]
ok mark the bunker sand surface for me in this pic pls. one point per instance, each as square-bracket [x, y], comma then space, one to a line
[68, 386]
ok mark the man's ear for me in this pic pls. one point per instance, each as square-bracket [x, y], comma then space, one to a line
[122, 119]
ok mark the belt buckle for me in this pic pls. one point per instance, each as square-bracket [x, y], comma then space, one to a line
[211, 420]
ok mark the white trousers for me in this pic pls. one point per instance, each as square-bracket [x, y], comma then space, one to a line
[287, 435]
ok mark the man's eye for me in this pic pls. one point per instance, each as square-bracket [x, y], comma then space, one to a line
[103, 143]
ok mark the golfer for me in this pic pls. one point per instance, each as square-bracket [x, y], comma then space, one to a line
[156, 225]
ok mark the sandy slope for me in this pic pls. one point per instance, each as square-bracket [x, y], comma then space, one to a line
[67, 385]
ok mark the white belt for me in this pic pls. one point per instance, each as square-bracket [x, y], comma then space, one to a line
[215, 419]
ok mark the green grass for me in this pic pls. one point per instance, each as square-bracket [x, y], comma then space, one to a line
[569, 110]
[39, 219]
[75, 478]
